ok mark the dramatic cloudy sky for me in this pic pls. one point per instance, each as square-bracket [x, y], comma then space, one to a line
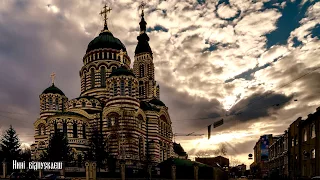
[253, 63]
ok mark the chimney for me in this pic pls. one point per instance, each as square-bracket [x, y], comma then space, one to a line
[309, 115]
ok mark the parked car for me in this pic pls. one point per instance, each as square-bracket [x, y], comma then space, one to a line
[316, 177]
[243, 177]
[53, 177]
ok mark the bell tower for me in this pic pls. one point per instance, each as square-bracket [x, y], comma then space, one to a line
[143, 62]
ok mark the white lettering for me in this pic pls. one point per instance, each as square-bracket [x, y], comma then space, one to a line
[18, 165]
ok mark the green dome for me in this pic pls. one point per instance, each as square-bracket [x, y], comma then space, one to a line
[106, 40]
[157, 102]
[53, 89]
[122, 71]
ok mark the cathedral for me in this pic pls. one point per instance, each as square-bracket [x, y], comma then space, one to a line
[123, 103]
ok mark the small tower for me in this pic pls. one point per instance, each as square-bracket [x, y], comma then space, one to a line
[52, 100]
[143, 62]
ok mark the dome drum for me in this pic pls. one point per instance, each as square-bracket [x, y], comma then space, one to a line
[106, 54]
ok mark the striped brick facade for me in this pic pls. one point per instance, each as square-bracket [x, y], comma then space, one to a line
[119, 105]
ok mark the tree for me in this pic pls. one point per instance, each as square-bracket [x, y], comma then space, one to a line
[10, 145]
[97, 151]
[25, 153]
[234, 162]
[221, 151]
[58, 149]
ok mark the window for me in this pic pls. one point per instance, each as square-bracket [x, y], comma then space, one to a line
[305, 135]
[50, 103]
[141, 88]
[93, 78]
[130, 88]
[75, 130]
[113, 121]
[65, 129]
[122, 92]
[94, 104]
[313, 131]
[113, 68]
[296, 140]
[115, 89]
[313, 153]
[57, 104]
[141, 70]
[84, 131]
[103, 76]
[74, 105]
[83, 104]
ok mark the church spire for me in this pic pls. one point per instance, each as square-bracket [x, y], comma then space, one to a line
[104, 14]
[143, 44]
[143, 23]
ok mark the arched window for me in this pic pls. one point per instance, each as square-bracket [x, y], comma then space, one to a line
[65, 129]
[305, 135]
[115, 89]
[313, 131]
[85, 81]
[41, 129]
[75, 130]
[50, 103]
[57, 104]
[141, 70]
[113, 68]
[84, 131]
[103, 76]
[313, 153]
[74, 104]
[130, 88]
[122, 92]
[93, 78]
[83, 104]
[141, 88]
[94, 104]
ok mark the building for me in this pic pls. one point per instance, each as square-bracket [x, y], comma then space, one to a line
[278, 159]
[213, 161]
[261, 156]
[179, 151]
[304, 147]
[123, 104]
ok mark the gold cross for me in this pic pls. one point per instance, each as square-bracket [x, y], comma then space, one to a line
[52, 77]
[142, 5]
[104, 13]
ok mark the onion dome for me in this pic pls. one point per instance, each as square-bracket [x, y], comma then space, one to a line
[156, 102]
[53, 89]
[143, 44]
[106, 40]
[122, 71]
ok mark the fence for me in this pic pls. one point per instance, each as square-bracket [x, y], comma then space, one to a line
[169, 172]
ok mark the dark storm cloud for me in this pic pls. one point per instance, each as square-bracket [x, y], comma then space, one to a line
[259, 105]
[186, 111]
[30, 48]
